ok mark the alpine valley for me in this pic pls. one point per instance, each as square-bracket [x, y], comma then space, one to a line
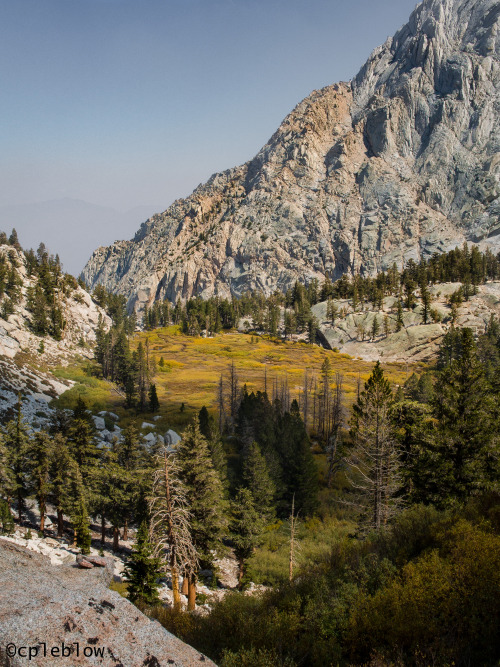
[265, 431]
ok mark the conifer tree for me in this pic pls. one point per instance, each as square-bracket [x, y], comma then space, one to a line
[399, 317]
[6, 518]
[170, 528]
[131, 456]
[374, 460]
[60, 464]
[460, 456]
[258, 481]
[209, 430]
[7, 485]
[16, 442]
[76, 507]
[82, 443]
[154, 403]
[39, 456]
[114, 487]
[205, 497]
[246, 528]
[142, 570]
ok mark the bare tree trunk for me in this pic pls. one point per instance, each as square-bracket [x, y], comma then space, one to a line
[192, 592]
[103, 530]
[175, 585]
[293, 520]
[42, 516]
[185, 585]
[60, 523]
[116, 538]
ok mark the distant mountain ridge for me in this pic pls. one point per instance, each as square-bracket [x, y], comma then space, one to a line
[86, 224]
[401, 162]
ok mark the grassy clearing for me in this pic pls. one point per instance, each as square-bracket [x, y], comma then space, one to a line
[98, 394]
[192, 367]
[314, 541]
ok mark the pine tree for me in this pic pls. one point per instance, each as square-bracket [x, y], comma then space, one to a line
[60, 463]
[142, 570]
[246, 528]
[461, 455]
[399, 317]
[209, 431]
[154, 403]
[7, 484]
[6, 518]
[387, 326]
[39, 455]
[16, 443]
[374, 460]
[171, 522]
[76, 507]
[82, 444]
[205, 497]
[258, 481]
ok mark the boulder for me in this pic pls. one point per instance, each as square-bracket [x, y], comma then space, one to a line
[99, 423]
[43, 603]
[171, 437]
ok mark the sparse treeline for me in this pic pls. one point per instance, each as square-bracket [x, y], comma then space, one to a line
[290, 312]
[132, 371]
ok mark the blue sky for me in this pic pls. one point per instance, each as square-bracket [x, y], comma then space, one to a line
[131, 102]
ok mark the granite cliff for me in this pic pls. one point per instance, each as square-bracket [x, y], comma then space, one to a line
[401, 162]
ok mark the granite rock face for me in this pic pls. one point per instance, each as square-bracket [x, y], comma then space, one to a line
[401, 162]
[58, 606]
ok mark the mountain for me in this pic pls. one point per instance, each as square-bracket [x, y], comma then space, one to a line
[399, 163]
[70, 227]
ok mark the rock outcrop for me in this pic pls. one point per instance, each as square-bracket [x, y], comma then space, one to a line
[352, 332]
[401, 162]
[45, 608]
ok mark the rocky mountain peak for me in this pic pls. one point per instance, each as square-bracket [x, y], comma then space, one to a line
[399, 163]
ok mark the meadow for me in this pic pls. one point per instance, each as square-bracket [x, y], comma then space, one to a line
[188, 370]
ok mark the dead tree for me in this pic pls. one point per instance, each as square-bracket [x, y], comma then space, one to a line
[170, 523]
[337, 418]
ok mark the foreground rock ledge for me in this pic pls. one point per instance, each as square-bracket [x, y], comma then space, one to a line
[41, 603]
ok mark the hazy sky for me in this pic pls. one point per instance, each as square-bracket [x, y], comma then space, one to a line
[130, 102]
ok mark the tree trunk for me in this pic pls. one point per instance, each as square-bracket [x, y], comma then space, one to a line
[175, 589]
[20, 508]
[103, 530]
[185, 586]
[116, 538]
[60, 523]
[42, 517]
[192, 592]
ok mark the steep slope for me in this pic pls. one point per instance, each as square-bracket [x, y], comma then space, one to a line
[401, 162]
[26, 359]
